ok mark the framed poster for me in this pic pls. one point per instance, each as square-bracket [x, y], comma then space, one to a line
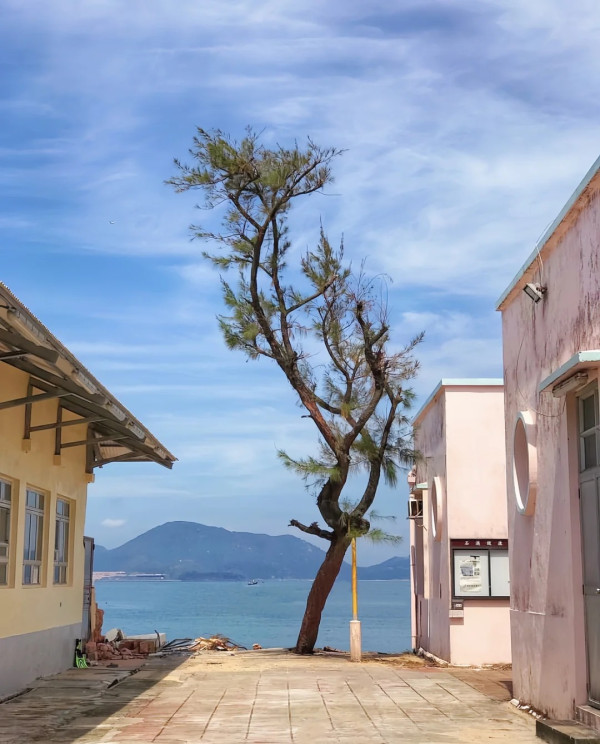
[480, 568]
[471, 573]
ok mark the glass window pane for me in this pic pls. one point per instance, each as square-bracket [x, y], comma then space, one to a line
[27, 574]
[5, 491]
[4, 524]
[471, 573]
[588, 412]
[40, 532]
[27, 536]
[3, 573]
[590, 458]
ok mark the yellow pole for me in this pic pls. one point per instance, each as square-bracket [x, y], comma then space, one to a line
[355, 634]
[354, 592]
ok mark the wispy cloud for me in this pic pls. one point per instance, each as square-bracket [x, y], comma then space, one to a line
[466, 126]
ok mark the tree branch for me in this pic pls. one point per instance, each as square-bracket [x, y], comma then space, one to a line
[312, 529]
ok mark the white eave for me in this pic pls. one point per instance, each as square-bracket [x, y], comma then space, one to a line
[461, 382]
[580, 362]
[543, 242]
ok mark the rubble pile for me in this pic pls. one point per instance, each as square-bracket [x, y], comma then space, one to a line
[128, 648]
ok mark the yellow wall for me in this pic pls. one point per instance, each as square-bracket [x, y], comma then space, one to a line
[26, 609]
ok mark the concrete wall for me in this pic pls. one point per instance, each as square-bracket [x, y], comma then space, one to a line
[546, 572]
[32, 611]
[460, 433]
[27, 656]
[430, 440]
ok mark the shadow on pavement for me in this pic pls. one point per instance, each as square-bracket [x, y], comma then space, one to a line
[68, 706]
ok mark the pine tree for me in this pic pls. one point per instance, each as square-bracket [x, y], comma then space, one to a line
[354, 390]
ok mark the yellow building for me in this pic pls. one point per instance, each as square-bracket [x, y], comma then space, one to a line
[57, 423]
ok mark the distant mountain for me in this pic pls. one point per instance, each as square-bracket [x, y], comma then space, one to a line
[393, 568]
[196, 552]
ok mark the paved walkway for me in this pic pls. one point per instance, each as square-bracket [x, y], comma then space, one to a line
[265, 698]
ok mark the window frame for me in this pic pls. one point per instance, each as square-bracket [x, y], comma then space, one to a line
[591, 392]
[62, 528]
[489, 549]
[33, 567]
[6, 505]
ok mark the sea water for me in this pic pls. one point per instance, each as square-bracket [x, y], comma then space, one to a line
[268, 613]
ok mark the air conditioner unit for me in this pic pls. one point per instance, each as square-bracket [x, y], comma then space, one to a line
[415, 508]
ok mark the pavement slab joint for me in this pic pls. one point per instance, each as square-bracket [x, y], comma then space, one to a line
[267, 698]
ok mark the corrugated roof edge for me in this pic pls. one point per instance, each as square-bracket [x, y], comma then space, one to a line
[72, 359]
[550, 231]
[446, 382]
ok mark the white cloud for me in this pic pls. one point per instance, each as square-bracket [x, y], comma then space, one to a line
[467, 125]
[113, 523]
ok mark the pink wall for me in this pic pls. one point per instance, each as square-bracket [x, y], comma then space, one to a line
[460, 433]
[549, 664]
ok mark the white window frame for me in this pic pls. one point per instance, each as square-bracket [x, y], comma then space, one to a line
[62, 535]
[584, 434]
[6, 507]
[32, 566]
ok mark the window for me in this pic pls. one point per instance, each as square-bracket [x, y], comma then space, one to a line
[61, 542]
[34, 532]
[588, 431]
[5, 504]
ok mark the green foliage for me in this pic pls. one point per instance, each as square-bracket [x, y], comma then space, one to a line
[355, 388]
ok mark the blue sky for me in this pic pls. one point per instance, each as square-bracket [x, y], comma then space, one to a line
[467, 125]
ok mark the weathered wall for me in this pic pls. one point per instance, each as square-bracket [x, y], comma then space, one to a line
[30, 655]
[483, 635]
[546, 572]
[460, 435]
[27, 610]
[430, 441]
[476, 507]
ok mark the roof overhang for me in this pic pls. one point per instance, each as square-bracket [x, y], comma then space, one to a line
[114, 434]
[461, 382]
[570, 376]
[554, 233]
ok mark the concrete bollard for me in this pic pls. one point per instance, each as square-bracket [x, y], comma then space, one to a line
[355, 641]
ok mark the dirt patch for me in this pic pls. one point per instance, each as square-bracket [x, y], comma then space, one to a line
[406, 661]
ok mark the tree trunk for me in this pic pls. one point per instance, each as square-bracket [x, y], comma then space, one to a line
[317, 597]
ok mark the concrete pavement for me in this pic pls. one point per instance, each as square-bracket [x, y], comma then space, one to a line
[266, 697]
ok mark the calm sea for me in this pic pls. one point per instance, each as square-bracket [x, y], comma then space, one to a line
[268, 613]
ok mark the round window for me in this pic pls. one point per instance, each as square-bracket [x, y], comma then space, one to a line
[436, 508]
[524, 463]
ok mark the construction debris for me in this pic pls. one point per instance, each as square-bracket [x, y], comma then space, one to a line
[125, 649]
[213, 643]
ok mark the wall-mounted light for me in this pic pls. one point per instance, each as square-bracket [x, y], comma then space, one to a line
[535, 291]
[570, 385]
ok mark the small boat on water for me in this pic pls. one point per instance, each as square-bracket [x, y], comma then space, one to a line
[252, 582]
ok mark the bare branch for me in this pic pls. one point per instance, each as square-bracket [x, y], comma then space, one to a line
[312, 529]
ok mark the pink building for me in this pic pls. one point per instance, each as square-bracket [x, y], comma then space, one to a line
[458, 532]
[551, 337]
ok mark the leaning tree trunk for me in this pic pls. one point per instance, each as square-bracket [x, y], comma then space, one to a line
[322, 585]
